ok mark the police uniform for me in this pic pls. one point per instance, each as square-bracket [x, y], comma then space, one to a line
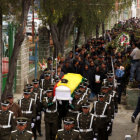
[37, 94]
[45, 83]
[103, 116]
[51, 116]
[6, 122]
[21, 135]
[76, 106]
[15, 108]
[28, 109]
[109, 98]
[71, 134]
[86, 123]
[85, 92]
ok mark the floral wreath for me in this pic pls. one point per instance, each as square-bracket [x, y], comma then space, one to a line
[122, 41]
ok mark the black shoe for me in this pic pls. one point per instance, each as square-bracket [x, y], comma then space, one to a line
[133, 119]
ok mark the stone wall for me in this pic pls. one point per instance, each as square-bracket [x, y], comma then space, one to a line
[22, 67]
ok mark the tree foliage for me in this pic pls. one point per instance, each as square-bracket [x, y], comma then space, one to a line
[87, 14]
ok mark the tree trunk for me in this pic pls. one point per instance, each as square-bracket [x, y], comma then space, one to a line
[60, 33]
[103, 29]
[0, 52]
[97, 30]
[19, 38]
[78, 36]
[86, 38]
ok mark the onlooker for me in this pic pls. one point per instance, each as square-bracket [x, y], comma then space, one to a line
[135, 54]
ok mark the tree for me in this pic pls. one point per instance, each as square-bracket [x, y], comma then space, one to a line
[62, 15]
[3, 7]
[24, 5]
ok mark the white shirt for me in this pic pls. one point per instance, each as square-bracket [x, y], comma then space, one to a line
[135, 54]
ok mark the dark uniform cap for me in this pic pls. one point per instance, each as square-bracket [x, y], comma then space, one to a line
[86, 105]
[101, 94]
[26, 91]
[82, 86]
[5, 103]
[110, 73]
[21, 120]
[9, 96]
[47, 74]
[35, 81]
[110, 85]
[49, 90]
[85, 80]
[69, 120]
[104, 87]
[77, 92]
[29, 86]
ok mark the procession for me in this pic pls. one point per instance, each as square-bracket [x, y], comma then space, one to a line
[68, 68]
[78, 97]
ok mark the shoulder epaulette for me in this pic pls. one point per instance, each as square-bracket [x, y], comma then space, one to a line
[75, 130]
[11, 111]
[29, 132]
[60, 130]
[14, 131]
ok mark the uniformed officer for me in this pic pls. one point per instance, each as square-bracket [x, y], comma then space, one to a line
[21, 133]
[76, 105]
[109, 98]
[38, 96]
[51, 115]
[103, 116]
[86, 122]
[68, 133]
[46, 82]
[6, 121]
[15, 108]
[85, 90]
[28, 109]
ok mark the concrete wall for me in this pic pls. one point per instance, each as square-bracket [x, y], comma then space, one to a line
[138, 12]
[132, 97]
[44, 46]
[22, 67]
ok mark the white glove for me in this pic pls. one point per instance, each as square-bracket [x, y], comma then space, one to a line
[94, 138]
[32, 125]
[70, 100]
[54, 99]
[108, 128]
[38, 117]
[60, 102]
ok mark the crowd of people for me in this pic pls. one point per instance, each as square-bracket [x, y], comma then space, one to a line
[92, 110]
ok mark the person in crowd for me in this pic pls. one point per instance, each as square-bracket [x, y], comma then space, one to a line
[135, 55]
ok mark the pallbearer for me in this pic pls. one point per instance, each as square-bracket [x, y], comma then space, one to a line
[21, 133]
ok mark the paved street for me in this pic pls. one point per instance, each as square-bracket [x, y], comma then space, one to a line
[122, 125]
